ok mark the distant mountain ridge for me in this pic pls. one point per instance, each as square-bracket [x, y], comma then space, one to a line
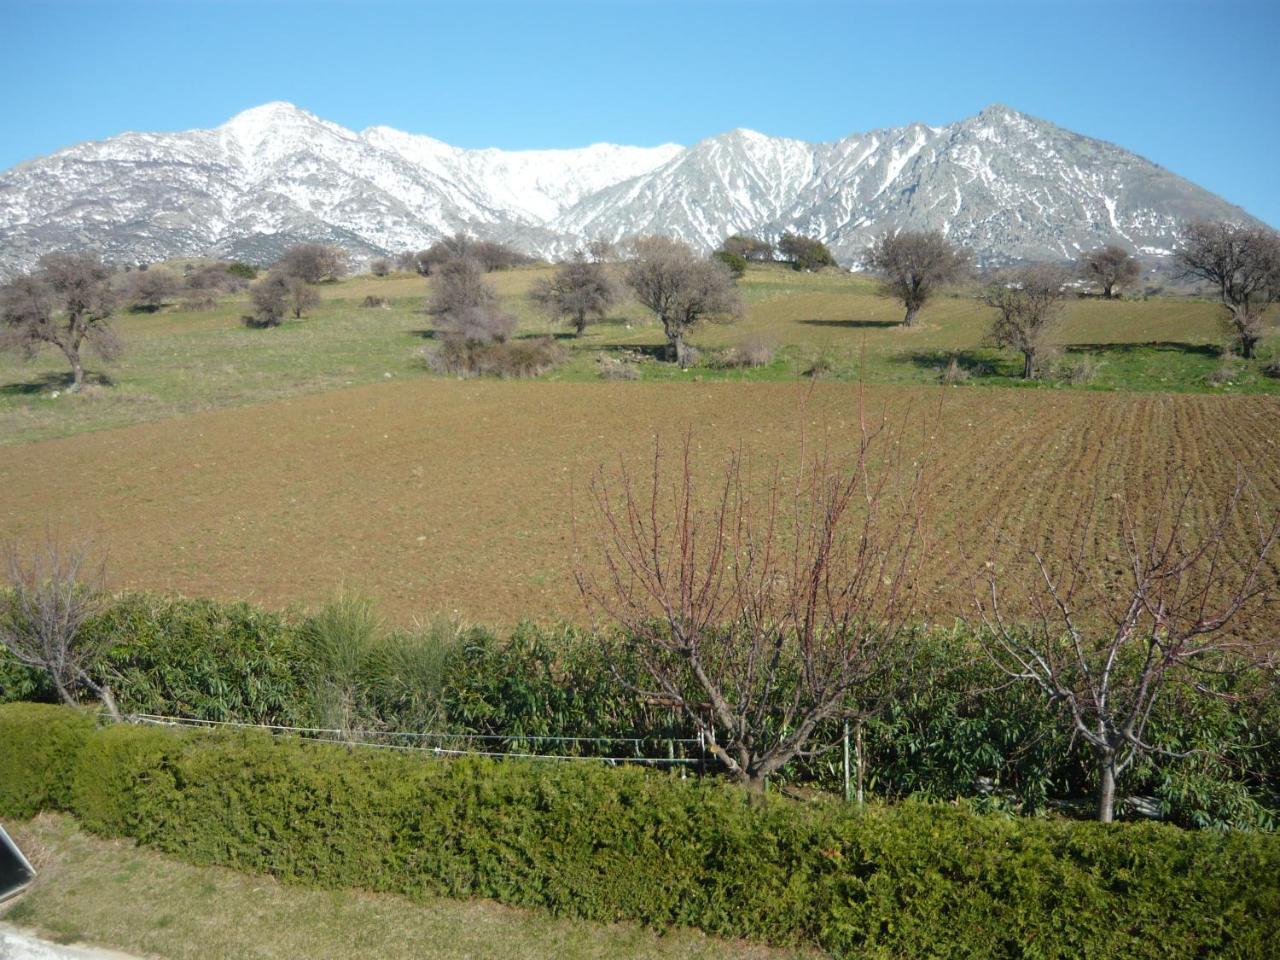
[1006, 185]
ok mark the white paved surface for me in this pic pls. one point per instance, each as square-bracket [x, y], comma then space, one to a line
[16, 944]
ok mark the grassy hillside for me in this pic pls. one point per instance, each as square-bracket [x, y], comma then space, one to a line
[179, 362]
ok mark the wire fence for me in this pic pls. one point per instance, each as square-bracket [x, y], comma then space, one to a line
[683, 753]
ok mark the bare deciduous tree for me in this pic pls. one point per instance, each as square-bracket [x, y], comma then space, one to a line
[1029, 300]
[150, 290]
[1106, 636]
[762, 610]
[268, 298]
[42, 614]
[65, 303]
[465, 305]
[300, 296]
[913, 264]
[214, 278]
[380, 266]
[681, 288]
[579, 289]
[1243, 264]
[1110, 267]
[313, 262]
[601, 250]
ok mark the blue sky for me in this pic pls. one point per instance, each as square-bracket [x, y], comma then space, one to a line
[1191, 84]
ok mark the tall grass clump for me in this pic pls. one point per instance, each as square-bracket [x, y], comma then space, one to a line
[407, 672]
[340, 638]
[367, 678]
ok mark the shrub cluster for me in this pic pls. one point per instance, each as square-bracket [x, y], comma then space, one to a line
[953, 729]
[529, 357]
[605, 844]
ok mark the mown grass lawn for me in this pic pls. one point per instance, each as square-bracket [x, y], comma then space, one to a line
[832, 324]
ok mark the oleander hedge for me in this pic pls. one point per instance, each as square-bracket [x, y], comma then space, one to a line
[914, 879]
[953, 727]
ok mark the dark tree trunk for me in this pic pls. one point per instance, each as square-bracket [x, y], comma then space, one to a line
[910, 318]
[580, 324]
[1106, 291]
[1248, 345]
[1028, 366]
[677, 350]
[77, 374]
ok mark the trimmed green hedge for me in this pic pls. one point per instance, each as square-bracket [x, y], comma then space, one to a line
[953, 728]
[40, 748]
[916, 879]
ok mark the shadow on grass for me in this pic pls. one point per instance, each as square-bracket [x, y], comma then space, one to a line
[52, 381]
[972, 362]
[650, 351]
[1164, 346]
[855, 324]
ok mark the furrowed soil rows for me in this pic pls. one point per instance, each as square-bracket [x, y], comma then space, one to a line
[456, 498]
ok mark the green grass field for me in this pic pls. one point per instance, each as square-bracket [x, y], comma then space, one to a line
[179, 362]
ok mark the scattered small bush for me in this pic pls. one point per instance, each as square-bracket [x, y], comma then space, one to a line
[736, 263]
[953, 373]
[372, 301]
[1077, 371]
[380, 267]
[244, 271]
[1272, 369]
[199, 303]
[1227, 371]
[752, 351]
[757, 350]
[819, 366]
[613, 369]
[529, 357]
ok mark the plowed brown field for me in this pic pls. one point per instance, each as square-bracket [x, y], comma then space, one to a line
[450, 497]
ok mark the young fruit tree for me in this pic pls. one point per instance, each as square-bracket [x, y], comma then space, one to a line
[913, 264]
[1109, 267]
[66, 302]
[579, 290]
[1243, 265]
[43, 609]
[1028, 301]
[760, 610]
[682, 288]
[1103, 637]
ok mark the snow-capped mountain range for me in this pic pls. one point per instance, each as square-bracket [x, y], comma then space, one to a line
[1004, 184]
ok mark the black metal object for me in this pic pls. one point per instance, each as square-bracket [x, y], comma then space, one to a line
[15, 869]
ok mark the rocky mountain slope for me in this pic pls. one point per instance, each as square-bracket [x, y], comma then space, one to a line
[1007, 185]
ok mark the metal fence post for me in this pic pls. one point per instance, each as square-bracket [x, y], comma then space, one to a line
[846, 761]
[861, 761]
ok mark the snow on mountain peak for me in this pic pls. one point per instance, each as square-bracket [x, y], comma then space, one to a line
[1005, 184]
